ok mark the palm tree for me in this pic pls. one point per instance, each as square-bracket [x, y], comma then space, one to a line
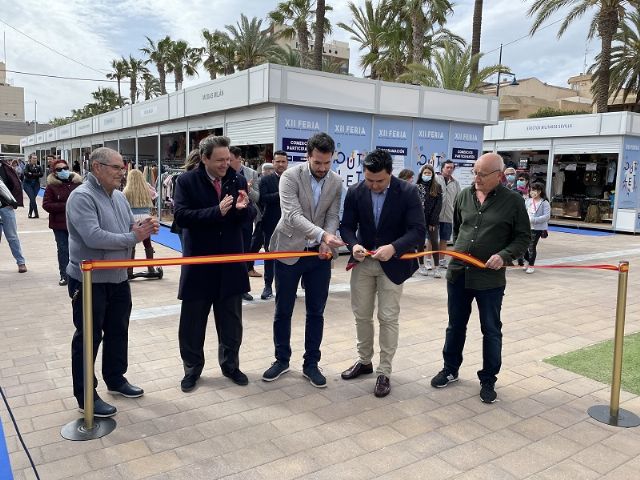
[477, 31]
[367, 27]
[605, 23]
[253, 45]
[288, 57]
[183, 60]
[135, 70]
[216, 48]
[159, 54]
[150, 86]
[625, 60]
[119, 72]
[451, 70]
[319, 27]
[421, 21]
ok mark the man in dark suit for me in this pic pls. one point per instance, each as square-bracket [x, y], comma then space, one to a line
[383, 215]
[211, 206]
[270, 202]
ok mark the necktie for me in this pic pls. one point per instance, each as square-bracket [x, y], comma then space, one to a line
[216, 185]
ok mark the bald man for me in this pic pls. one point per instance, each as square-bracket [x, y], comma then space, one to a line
[490, 222]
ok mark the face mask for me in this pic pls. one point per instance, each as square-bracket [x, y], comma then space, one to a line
[511, 178]
[521, 183]
[63, 174]
[426, 178]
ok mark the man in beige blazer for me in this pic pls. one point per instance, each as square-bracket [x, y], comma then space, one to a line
[310, 203]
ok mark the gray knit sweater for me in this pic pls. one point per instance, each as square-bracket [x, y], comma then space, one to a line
[99, 229]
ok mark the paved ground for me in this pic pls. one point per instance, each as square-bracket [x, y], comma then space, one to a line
[289, 429]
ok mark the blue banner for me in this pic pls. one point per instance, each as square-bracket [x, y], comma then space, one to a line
[466, 147]
[430, 144]
[352, 134]
[295, 126]
[627, 191]
[395, 136]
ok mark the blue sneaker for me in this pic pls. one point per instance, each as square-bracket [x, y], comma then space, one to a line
[276, 369]
[315, 377]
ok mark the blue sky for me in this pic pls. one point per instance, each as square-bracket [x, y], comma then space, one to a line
[95, 32]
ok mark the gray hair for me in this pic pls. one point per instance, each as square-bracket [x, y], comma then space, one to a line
[102, 155]
[208, 144]
[267, 166]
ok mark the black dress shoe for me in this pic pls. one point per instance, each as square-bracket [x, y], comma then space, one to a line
[127, 390]
[188, 383]
[356, 370]
[267, 293]
[237, 377]
[383, 386]
[247, 296]
[101, 408]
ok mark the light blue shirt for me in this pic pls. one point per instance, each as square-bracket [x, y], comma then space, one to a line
[316, 190]
[377, 201]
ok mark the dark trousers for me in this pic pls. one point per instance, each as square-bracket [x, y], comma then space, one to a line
[257, 241]
[316, 274]
[62, 242]
[111, 311]
[268, 264]
[31, 188]
[489, 304]
[432, 236]
[532, 252]
[247, 230]
[227, 313]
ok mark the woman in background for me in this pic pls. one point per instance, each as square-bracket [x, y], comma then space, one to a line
[430, 193]
[31, 184]
[140, 196]
[406, 175]
[539, 212]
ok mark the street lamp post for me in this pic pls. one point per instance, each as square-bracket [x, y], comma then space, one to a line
[514, 82]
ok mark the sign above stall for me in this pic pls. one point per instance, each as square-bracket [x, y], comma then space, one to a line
[295, 126]
[394, 135]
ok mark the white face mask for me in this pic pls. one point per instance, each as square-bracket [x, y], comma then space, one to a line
[426, 178]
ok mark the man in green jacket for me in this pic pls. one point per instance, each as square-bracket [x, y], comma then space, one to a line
[490, 223]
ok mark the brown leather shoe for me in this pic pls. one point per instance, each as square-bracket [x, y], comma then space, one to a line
[383, 386]
[22, 268]
[253, 273]
[356, 370]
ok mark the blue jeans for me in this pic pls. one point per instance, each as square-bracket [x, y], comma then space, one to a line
[32, 188]
[489, 304]
[10, 228]
[62, 242]
[316, 274]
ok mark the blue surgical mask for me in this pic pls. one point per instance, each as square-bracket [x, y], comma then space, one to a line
[511, 178]
[426, 178]
[521, 183]
[63, 174]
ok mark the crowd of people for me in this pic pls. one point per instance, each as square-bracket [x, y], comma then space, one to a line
[224, 207]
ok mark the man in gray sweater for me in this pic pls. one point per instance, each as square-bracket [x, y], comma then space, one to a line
[101, 227]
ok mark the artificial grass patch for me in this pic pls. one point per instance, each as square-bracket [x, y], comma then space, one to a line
[596, 362]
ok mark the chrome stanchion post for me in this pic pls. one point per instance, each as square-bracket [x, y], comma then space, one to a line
[612, 414]
[88, 427]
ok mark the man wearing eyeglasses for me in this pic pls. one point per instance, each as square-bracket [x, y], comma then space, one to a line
[101, 226]
[490, 223]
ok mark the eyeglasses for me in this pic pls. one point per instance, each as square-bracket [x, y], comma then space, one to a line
[116, 168]
[61, 169]
[483, 175]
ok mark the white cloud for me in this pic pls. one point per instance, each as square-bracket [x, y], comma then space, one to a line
[95, 32]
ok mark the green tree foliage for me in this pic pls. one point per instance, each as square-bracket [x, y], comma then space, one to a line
[158, 54]
[554, 112]
[254, 46]
[120, 71]
[219, 53]
[183, 60]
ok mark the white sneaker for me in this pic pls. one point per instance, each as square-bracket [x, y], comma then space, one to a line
[428, 264]
[436, 273]
[443, 264]
[529, 270]
[423, 270]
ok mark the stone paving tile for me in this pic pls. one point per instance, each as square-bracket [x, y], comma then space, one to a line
[539, 427]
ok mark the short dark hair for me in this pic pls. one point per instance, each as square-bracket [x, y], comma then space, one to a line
[405, 174]
[235, 151]
[447, 161]
[523, 175]
[377, 161]
[280, 152]
[321, 142]
[207, 144]
[540, 188]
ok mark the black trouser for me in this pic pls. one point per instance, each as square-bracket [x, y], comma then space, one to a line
[257, 241]
[532, 252]
[62, 242]
[111, 311]
[227, 313]
[32, 188]
[432, 236]
[268, 264]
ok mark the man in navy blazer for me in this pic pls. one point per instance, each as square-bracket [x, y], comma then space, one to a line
[383, 215]
[211, 206]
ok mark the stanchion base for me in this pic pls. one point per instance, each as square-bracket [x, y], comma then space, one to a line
[76, 430]
[625, 418]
